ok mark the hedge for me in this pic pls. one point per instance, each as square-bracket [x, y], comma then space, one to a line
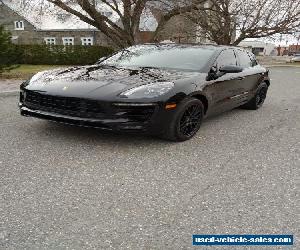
[9, 55]
[61, 55]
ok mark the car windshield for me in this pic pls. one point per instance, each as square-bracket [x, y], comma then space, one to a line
[162, 57]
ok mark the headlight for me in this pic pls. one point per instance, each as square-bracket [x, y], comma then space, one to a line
[149, 90]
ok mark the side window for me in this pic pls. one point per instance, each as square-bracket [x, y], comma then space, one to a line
[226, 58]
[245, 60]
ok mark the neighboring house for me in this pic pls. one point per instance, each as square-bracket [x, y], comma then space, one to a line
[260, 47]
[294, 49]
[179, 28]
[282, 50]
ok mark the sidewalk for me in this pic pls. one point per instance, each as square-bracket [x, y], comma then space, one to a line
[9, 85]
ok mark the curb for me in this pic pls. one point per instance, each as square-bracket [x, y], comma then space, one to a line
[9, 93]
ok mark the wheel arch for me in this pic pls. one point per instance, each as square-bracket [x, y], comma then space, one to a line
[203, 99]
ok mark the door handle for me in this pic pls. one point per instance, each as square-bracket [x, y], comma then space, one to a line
[237, 78]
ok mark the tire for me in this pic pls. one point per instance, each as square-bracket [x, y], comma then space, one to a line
[258, 100]
[186, 121]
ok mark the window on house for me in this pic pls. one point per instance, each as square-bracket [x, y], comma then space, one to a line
[19, 25]
[87, 41]
[68, 40]
[50, 40]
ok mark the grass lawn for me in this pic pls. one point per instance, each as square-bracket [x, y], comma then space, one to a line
[25, 71]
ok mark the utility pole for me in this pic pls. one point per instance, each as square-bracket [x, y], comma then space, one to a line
[279, 47]
[298, 39]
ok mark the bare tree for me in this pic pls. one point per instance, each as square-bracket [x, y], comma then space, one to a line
[129, 12]
[220, 21]
[232, 21]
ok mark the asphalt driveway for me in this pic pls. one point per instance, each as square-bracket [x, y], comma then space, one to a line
[63, 187]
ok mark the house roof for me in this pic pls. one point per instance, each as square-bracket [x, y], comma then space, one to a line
[45, 16]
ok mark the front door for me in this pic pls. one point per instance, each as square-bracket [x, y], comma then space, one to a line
[227, 90]
[251, 72]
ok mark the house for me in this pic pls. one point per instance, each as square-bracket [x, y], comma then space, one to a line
[19, 27]
[294, 49]
[179, 28]
[282, 50]
[53, 29]
[259, 47]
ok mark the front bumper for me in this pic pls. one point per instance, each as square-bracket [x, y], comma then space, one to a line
[107, 124]
[149, 118]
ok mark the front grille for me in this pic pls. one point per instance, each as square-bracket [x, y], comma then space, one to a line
[85, 108]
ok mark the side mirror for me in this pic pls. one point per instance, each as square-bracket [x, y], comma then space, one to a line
[231, 69]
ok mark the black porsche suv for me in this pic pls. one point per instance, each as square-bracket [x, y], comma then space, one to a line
[161, 89]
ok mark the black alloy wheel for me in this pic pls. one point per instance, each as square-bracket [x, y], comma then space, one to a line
[258, 100]
[191, 119]
[186, 121]
[261, 96]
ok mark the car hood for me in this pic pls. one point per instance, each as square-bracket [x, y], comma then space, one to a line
[98, 81]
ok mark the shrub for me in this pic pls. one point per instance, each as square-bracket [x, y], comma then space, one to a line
[62, 55]
[9, 54]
